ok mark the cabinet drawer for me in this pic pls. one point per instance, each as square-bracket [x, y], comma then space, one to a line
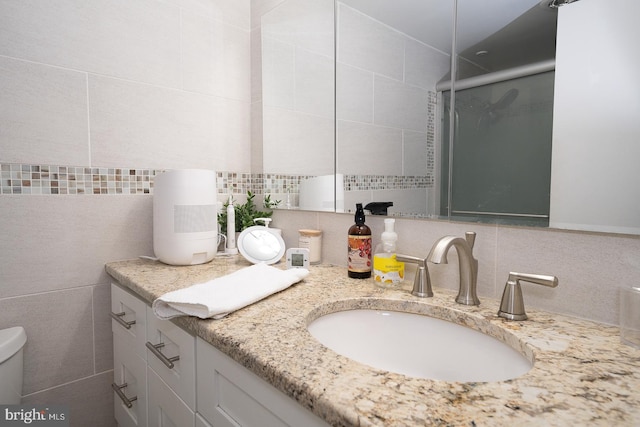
[129, 385]
[129, 315]
[166, 409]
[229, 395]
[171, 354]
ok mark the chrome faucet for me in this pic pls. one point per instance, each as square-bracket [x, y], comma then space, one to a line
[467, 263]
[421, 282]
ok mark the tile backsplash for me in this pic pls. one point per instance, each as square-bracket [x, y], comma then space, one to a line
[49, 179]
[30, 179]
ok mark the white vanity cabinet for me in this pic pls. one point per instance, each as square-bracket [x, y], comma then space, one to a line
[229, 395]
[166, 408]
[171, 354]
[129, 319]
[129, 384]
[154, 366]
[128, 325]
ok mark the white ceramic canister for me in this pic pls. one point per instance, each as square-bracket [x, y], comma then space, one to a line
[312, 240]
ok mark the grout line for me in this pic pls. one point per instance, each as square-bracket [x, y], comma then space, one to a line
[88, 119]
[93, 326]
[67, 383]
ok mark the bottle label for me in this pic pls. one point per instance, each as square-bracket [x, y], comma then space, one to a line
[359, 253]
[386, 269]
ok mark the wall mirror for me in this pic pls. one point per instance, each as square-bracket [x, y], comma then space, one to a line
[475, 147]
[298, 104]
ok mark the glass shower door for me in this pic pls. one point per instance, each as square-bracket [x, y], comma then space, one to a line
[501, 156]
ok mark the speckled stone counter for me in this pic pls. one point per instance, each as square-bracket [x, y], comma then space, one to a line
[582, 374]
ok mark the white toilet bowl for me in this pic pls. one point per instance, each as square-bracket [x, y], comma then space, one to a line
[12, 341]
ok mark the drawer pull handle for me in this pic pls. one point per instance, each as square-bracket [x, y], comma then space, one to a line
[118, 318]
[168, 361]
[118, 389]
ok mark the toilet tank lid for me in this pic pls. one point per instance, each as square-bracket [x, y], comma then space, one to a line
[11, 341]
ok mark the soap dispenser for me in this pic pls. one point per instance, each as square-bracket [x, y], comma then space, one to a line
[359, 247]
[387, 270]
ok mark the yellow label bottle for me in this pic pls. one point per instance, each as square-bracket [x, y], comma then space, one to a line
[387, 270]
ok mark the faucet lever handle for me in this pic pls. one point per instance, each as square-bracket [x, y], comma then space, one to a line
[422, 281]
[410, 259]
[512, 304]
[470, 237]
[539, 279]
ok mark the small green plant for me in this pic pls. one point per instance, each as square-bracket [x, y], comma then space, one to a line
[247, 212]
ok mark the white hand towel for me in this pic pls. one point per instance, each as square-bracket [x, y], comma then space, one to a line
[219, 297]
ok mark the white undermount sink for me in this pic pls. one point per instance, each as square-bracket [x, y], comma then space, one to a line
[418, 346]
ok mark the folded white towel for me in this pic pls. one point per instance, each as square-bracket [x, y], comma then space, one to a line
[219, 297]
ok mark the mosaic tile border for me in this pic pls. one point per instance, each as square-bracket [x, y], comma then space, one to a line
[28, 179]
[386, 182]
[59, 180]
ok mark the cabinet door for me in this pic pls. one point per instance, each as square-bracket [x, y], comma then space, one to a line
[171, 354]
[166, 409]
[229, 395]
[129, 385]
[129, 315]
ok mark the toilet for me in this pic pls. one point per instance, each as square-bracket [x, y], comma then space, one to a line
[12, 341]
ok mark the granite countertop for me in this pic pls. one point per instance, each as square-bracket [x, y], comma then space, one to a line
[582, 374]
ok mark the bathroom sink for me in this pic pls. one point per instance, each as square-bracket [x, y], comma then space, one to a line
[418, 346]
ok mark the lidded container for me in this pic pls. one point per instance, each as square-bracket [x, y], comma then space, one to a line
[312, 240]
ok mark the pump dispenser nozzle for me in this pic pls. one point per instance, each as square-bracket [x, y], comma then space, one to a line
[389, 236]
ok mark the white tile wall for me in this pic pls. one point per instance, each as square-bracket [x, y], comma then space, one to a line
[93, 84]
[136, 40]
[256, 65]
[364, 148]
[297, 87]
[150, 125]
[309, 147]
[261, 7]
[414, 152]
[90, 401]
[368, 44]
[231, 122]
[306, 24]
[67, 356]
[60, 242]
[424, 65]
[231, 60]
[43, 113]
[142, 83]
[278, 76]
[314, 77]
[399, 105]
[354, 94]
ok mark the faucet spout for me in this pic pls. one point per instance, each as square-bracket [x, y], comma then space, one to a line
[467, 263]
